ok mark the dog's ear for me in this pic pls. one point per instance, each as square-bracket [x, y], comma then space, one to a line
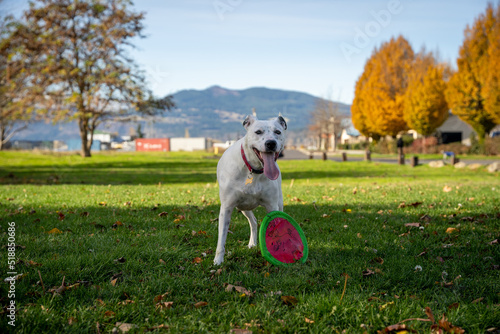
[248, 121]
[282, 121]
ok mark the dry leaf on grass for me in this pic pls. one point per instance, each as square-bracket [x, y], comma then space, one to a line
[109, 314]
[160, 298]
[240, 289]
[289, 300]
[125, 327]
[200, 304]
[54, 231]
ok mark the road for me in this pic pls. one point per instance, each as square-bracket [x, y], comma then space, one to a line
[290, 154]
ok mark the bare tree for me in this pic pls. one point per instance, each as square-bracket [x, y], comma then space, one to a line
[326, 123]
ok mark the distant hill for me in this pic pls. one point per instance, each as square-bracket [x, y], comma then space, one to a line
[215, 112]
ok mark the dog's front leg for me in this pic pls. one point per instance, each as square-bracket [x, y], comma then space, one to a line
[224, 221]
[253, 228]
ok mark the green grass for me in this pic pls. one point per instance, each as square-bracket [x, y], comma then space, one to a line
[351, 213]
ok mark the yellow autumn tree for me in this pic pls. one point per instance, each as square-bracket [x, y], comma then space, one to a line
[377, 109]
[472, 92]
[492, 85]
[425, 107]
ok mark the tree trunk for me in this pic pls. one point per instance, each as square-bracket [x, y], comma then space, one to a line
[2, 136]
[83, 124]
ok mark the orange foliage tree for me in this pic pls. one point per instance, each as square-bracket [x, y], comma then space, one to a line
[473, 91]
[425, 107]
[377, 109]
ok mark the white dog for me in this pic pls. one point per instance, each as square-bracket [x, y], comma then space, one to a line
[249, 177]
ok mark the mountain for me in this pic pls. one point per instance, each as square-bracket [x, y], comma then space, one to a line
[215, 112]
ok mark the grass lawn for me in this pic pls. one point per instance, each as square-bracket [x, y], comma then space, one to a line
[133, 238]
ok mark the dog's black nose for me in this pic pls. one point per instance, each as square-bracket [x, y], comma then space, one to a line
[271, 145]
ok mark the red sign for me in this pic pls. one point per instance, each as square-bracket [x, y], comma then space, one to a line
[162, 145]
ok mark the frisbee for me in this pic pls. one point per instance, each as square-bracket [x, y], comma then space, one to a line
[282, 241]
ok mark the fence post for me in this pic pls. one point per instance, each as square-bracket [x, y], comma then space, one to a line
[324, 156]
[454, 160]
[401, 159]
[414, 161]
[344, 156]
[368, 156]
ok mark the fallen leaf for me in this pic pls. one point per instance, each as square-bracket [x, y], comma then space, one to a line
[109, 314]
[84, 214]
[309, 321]
[163, 214]
[200, 304]
[289, 300]
[160, 298]
[445, 325]
[162, 262]
[475, 301]
[447, 189]
[378, 260]
[494, 242]
[429, 314]
[397, 328]
[121, 260]
[240, 289]
[450, 230]
[426, 218]
[368, 272]
[113, 282]
[72, 321]
[54, 231]
[412, 224]
[382, 307]
[197, 259]
[102, 203]
[164, 305]
[125, 327]
[61, 216]
[240, 331]
[33, 263]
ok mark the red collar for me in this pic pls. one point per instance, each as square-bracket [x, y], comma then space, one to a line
[250, 168]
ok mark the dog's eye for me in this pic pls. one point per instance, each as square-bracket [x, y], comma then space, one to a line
[278, 132]
[258, 132]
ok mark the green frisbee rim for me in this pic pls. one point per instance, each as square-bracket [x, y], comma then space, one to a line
[262, 238]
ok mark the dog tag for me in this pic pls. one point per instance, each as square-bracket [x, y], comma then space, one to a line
[249, 180]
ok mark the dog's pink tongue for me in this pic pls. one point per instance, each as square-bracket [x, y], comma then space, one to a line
[270, 167]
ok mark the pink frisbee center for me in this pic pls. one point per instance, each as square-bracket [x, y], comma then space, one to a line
[283, 241]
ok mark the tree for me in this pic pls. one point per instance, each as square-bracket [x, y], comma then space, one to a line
[78, 66]
[326, 123]
[492, 85]
[13, 117]
[378, 104]
[425, 107]
[472, 92]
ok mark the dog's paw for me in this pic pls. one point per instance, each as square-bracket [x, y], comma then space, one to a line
[252, 245]
[218, 260]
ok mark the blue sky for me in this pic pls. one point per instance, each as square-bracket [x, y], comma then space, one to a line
[317, 46]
